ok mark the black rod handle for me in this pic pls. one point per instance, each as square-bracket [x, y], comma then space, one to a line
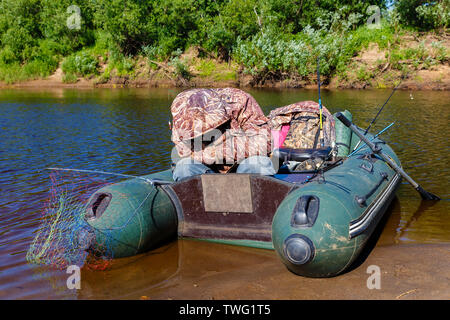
[343, 119]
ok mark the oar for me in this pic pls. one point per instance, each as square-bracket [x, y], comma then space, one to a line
[378, 150]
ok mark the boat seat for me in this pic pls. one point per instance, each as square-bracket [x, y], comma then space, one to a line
[283, 155]
[208, 208]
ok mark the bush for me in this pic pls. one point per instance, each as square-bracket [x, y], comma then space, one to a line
[434, 16]
[7, 56]
[181, 68]
[424, 14]
[271, 52]
[265, 36]
[81, 63]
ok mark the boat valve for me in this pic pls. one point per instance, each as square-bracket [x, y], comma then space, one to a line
[298, 249]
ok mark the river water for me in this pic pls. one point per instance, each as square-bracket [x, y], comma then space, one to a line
[125, 131]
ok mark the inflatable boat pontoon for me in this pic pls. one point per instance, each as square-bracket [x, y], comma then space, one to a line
[317, 221]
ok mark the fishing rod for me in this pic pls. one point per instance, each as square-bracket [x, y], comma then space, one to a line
[151, 181]
[320, 104]
[378, 113]
[378, 150]
[374, 137]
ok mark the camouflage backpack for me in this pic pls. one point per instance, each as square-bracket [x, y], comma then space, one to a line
[303, 119]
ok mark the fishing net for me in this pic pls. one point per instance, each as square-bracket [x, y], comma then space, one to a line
[63, 236]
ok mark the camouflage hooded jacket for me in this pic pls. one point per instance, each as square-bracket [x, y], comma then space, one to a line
[219, 126]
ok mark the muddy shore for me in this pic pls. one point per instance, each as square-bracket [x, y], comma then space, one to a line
[196, 271]
[430, 80]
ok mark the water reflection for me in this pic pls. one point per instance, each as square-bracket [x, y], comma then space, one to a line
[130, 278]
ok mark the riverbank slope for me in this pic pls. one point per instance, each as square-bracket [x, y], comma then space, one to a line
[420, 62]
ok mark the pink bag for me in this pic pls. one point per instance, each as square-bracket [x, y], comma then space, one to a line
[279, 136]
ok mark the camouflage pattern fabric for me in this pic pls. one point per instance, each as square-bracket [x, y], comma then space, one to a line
[219, 126]
[303, 118]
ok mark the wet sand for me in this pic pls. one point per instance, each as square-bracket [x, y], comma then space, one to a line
[208, 271]
[190, 269]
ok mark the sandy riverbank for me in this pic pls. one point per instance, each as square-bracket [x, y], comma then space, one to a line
[195, 270]
[438, 79]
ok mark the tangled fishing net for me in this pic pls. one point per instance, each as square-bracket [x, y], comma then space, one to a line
[64, 236]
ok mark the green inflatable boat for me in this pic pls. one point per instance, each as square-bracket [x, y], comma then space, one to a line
[317, 221]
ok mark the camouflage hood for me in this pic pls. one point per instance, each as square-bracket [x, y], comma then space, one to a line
[200, 113]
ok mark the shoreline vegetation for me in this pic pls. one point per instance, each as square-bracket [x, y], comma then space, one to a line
[238, 43]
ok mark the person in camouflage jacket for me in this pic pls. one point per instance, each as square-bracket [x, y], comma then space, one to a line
[219, 127]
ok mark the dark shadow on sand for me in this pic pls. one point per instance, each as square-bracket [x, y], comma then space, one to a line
[373, 239]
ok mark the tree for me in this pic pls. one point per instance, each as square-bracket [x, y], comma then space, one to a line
[423, 14]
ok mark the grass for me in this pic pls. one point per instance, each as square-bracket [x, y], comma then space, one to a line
[205, 68]
[124, 66]
[35, 69]
[418, 57]
[363, 74]
[225, 76]
[217, 71]
[69, 78]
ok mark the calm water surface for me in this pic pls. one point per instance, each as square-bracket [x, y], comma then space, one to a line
[125, 131]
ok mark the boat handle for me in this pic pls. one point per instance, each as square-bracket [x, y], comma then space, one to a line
[361, 200]
[369, 169]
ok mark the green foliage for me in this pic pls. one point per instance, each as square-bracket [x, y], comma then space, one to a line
[10, 73]
[181, 68]
[13, 72]
[262, 35]
[124, 65]
[128, 22]
[420, 56]
[424, 14]
[81, 63]
[225, 76]
[69, 78]
[440, 52]
[205, 68]
[434, 16]
[271, 52]
[7, 55]
[55, 16]
[363, 74]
